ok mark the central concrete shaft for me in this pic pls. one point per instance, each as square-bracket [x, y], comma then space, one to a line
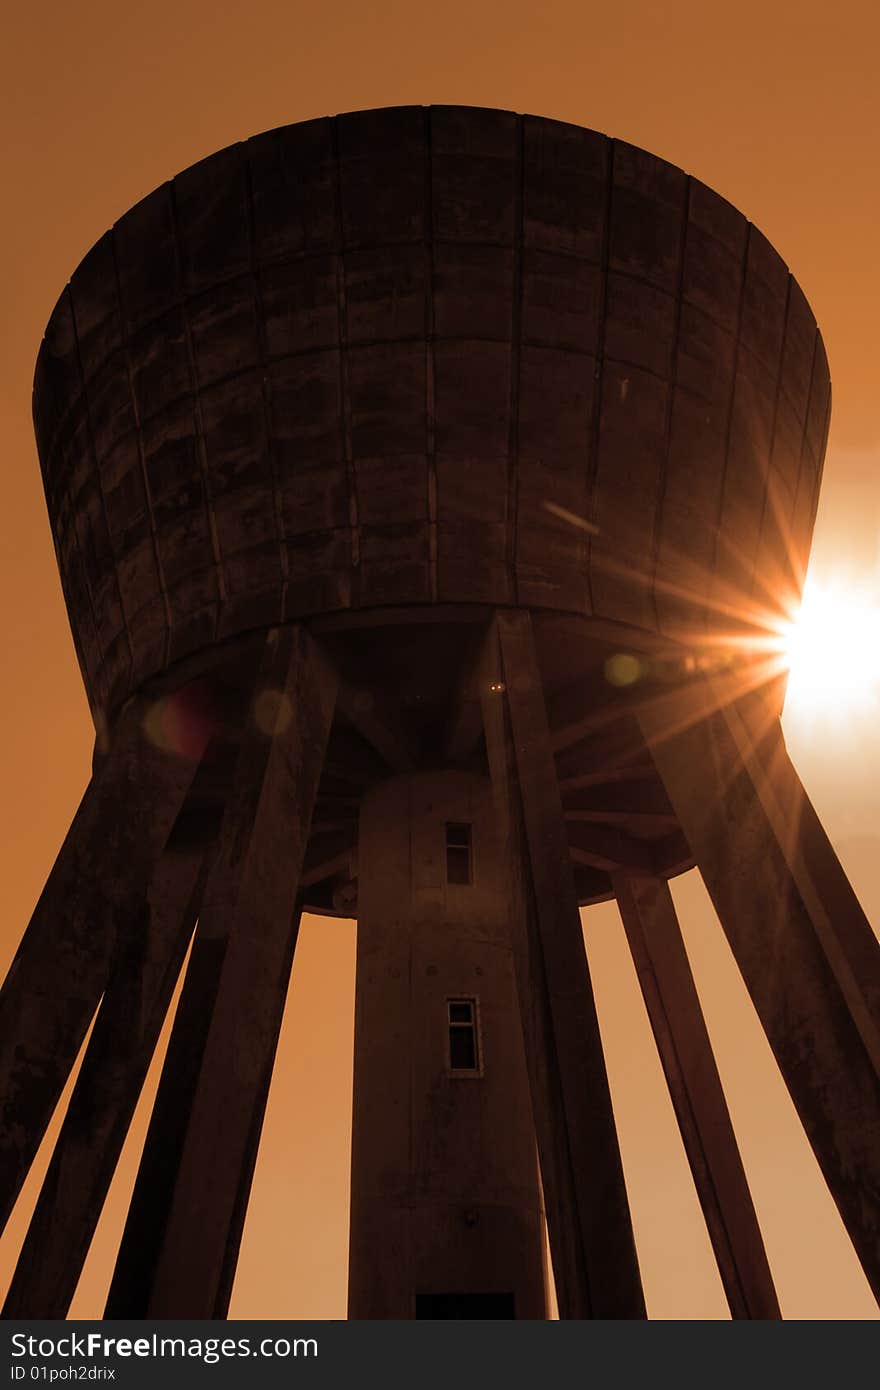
[446, 1209]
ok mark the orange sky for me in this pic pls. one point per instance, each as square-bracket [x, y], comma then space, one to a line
[774, 105]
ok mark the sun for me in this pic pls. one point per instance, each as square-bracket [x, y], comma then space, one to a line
[832, 650]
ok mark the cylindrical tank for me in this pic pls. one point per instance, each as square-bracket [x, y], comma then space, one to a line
[446, 1209]
[425, 357]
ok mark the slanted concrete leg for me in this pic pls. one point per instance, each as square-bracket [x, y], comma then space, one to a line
[240, 968]
[847, 936]
[673, 1006]
[134, 1274]
[143, 974]
[591, 1239]
[790, 957]
[96, 888]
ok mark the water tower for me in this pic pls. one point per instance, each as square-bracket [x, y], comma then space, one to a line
[425, 485]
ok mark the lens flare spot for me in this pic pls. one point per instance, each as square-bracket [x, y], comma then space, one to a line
[272, 712]
[623, 669]
[182, 722]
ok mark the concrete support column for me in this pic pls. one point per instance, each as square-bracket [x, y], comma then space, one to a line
[120, 1049]
[181, 1241]
[848, 939]
[673, 1006]
[96, 889]
[794, 960]
[446, 1214]
[591, 1238]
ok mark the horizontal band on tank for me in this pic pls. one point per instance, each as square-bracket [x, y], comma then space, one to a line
[59, 480]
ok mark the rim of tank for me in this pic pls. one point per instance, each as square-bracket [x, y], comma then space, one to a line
[520, 116]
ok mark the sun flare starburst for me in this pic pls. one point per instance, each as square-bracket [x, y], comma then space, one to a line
[832, 650]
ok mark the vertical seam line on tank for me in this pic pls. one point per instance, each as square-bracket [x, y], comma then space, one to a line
[198, 420]
[660, 498]
[728, 427]
[802, 459]
[89, 680]
[512, 527]
[94, 453]
[345, 373]
[430, 364]
[265, 389]
[598, 374]
[148, 500]
[92, 681]
[769, 474]
[820, 463]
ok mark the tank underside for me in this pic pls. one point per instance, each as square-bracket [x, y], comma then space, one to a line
[410, 701]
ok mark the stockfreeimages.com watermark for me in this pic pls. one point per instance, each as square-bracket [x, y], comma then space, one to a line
[84, 1347]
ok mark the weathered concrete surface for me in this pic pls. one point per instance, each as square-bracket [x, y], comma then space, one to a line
[445, 1195]
[96, 890]
[236, 984]
[673, 1006]
[424, 355]
[796, 973]
[591, 1239]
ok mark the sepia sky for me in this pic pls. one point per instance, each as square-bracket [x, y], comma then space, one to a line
[775, 106]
